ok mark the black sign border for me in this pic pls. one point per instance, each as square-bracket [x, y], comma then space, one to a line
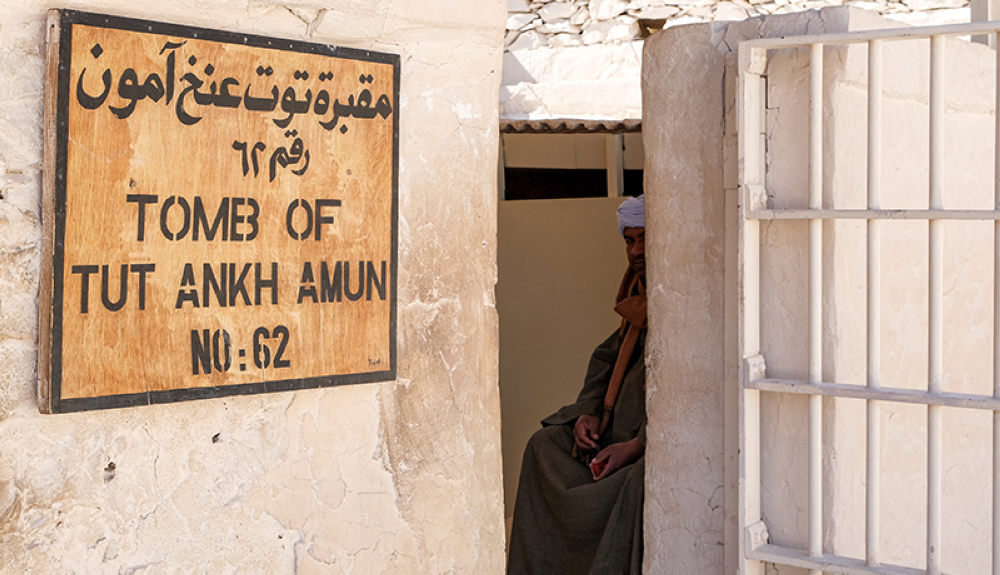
[68, 18]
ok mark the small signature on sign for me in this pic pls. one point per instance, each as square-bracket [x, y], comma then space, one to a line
[373, 362]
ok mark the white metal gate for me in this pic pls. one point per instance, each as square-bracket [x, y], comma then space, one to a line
[756, 550]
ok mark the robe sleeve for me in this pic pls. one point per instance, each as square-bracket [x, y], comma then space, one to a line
[640, 433]
[595, 386]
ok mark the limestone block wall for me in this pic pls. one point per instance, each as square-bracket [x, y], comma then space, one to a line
[398, 477]
[561, 23]
[579, 59]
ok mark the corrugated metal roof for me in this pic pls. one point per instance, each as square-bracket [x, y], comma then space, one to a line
[570, 126]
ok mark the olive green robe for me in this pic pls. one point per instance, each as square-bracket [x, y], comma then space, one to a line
[564, 521]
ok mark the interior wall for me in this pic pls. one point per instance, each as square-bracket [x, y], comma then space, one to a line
[559, 265]
[569, 151]
[635, 152]
[399, 477]
[555, 151]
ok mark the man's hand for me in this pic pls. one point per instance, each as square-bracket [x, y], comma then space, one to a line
[586, 432]
[616, 456]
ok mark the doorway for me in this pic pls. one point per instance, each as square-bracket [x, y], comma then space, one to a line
[560, 260]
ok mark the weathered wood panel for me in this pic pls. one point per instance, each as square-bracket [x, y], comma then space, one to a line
[222, 214]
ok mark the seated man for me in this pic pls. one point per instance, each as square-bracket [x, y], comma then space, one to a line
[579, 499]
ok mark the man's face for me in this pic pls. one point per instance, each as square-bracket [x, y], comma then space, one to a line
[635, 247]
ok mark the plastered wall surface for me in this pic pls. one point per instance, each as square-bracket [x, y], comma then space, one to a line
[560, 264]
[691, 167]
[398, 477]
[683, 181]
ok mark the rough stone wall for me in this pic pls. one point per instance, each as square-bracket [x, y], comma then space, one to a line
[398, 477]
[561, 23]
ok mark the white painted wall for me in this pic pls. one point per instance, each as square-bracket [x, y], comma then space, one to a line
[398, 477]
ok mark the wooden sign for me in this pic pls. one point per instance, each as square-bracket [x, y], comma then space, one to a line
[220, 214]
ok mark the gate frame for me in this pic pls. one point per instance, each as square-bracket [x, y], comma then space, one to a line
[743, 271]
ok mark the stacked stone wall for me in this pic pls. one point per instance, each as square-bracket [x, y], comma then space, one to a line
[562, 23]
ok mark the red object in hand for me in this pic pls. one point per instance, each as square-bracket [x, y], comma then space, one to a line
[597, 467]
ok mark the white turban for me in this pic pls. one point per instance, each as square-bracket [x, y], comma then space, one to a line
[632, 214]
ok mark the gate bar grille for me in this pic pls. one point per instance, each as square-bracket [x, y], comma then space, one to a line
[832, 564]
[896, 395]
[935, 297]
[871, 214]
[815, 301]
[873, 451]
[753, 60]
[996, 316]
[890, 34]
